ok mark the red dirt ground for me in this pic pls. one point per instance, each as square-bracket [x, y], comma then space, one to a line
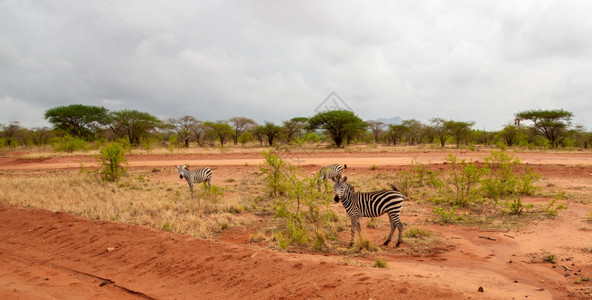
[46, 255]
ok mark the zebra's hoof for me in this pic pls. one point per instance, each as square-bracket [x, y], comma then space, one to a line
[386, 243]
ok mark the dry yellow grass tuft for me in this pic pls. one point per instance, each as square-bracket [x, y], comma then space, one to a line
[135, 199]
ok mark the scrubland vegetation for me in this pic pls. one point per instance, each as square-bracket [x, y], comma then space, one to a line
[282, 204]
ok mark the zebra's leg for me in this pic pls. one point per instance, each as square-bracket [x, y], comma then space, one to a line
[392, 221]
[400, 228]
[191, 188]
[354, 226]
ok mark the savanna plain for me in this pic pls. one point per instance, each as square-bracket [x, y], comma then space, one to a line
[478, 224]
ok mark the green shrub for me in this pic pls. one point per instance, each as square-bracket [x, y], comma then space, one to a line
[379, 263]
[504, 182]
[404, 182]
[417, 232]
[272, 171]
[69, 144]
[464, 179]
[111, 159]
[446, 216]
[553, 207]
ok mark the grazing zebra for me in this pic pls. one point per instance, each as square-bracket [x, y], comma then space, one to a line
[330, 172]
[198, 175]
[372, 204]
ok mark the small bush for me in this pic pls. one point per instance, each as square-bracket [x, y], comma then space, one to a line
[417, 232]
[111, 159]
[363, 245]
[272, 171]
[446, 216]
[548, 257]
[463, 179]
[379, 263]
[553, 207]
[69, 144]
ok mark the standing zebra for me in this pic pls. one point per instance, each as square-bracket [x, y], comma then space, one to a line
[330, 172]
[198, 175]
[372, 204]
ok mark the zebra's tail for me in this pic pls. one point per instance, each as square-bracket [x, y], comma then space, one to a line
[394, 187]
[344, 166]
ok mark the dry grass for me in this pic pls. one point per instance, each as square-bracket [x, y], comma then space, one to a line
[135, 199]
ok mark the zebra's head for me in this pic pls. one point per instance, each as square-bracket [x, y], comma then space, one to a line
[182, 169]
[339, 187]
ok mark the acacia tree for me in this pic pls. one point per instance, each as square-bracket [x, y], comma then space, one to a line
[294, 127]
[132, 124]
[439, 130]
[509, 134]
[198, 129]
[9, 132]
[551, 124]
[184, 127]
[414, 132]
[337, 123]
[396, 133]
[459, 130]
[78, 120]
[220, 129]
[241, 124]
[271, 131]
[376, 128]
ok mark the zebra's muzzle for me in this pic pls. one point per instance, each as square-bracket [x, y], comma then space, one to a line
[336, 199]
[181, 176]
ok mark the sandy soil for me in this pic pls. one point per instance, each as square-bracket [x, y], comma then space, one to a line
[45, 255]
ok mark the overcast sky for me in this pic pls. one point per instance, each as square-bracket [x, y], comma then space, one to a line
[479, 61]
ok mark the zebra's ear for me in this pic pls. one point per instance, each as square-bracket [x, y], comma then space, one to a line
[336, 178]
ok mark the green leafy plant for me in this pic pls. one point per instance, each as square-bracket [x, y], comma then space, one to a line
[379, 263]
[553, 207]
[416, 232]
[69, 144]
[464, 179]
[446, 215]
[272, 171]
[111, 160]
[503, 180]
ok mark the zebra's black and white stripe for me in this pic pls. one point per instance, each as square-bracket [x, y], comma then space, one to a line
[198, 175]
[372, 204]
[330, 172]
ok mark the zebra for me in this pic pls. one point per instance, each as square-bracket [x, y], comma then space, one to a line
[330, 172]
[198, 175]
[372, 204]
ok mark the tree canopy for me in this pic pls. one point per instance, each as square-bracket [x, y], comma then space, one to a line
[78, 120]
[552, 124]
[220, 129]
[241, 124]
[132, 124]
[339, 124]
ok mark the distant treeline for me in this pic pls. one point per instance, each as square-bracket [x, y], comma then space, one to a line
[79, 126]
